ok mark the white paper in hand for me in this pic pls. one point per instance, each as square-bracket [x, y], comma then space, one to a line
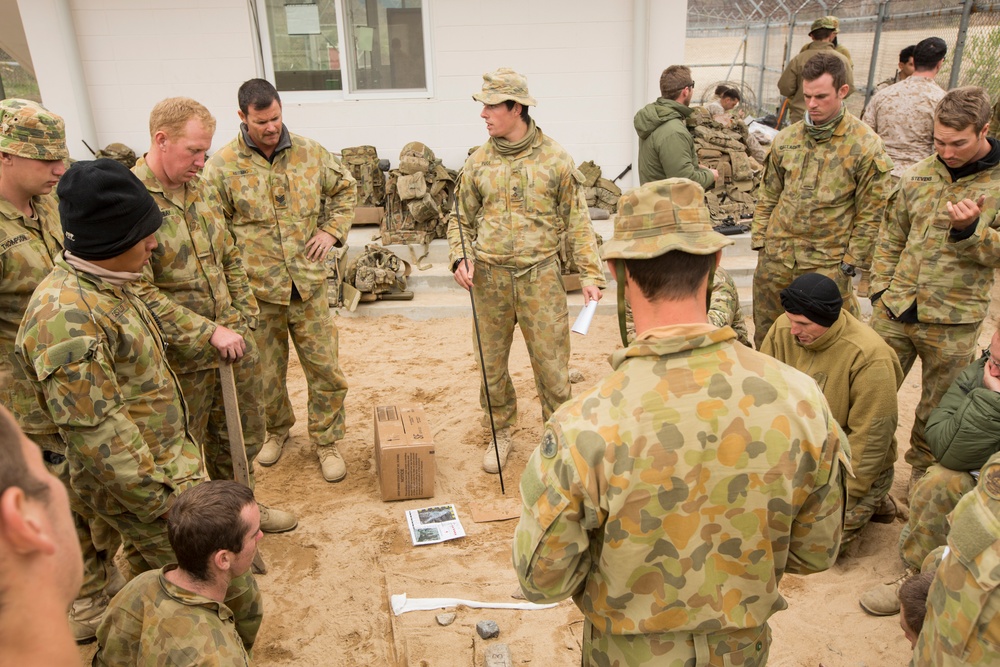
[583, 320]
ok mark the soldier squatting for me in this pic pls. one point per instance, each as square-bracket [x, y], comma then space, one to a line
[668, 500]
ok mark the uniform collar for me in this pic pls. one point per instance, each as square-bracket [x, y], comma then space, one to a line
[831, 336]
[673, 339]
[190, 598]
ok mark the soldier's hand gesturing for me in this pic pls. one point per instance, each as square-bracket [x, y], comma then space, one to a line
[991, 381]
[965, 212]
[230, 344]
[319, 245]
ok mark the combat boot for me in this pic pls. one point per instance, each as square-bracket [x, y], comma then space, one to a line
[270, 452]
[276, 521]
[332, 464]
[85, 615]
[116, 581]
[505, 443]
[883, 600]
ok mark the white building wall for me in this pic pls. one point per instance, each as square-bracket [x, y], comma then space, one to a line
[577, 55]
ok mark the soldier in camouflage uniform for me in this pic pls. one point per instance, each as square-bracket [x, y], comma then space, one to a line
[791, 84]
[932, 273]
[177, 615]
[32, 158]
[518, 196]
[95, 356]
[962, 625]
[119, 153]
[289, 201]
[196, 285]
[904, 115]
[821, 199]
[645, 500]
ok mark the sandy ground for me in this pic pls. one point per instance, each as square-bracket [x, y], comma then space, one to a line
[329, 582]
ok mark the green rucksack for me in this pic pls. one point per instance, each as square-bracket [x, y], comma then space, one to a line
[364, 165]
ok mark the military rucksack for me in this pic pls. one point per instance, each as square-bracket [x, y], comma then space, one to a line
[378, 273]
[733, 197]
[600, 192]
[364, 165]
[418, 199]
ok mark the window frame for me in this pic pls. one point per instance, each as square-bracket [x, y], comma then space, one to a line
[346, 63]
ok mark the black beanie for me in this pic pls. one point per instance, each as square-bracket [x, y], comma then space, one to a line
[815, 296]
[105, 209]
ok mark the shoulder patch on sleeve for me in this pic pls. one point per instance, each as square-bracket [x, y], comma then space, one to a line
[579, 177]
[68, 352]
[990, 479]
[549, 446]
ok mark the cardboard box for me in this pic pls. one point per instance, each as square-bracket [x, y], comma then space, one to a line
[404, 452]
[368, 215]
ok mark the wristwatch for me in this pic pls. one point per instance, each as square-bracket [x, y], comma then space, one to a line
[847, 269]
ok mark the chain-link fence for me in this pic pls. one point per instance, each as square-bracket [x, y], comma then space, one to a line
[15, 81]
[748, 43]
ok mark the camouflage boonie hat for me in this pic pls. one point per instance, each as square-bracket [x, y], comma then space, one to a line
[829, 22]
[29, 130]
[505, 84]
[119, 153]
[661, 216]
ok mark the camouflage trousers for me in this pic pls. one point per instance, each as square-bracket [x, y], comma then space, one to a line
[533, 299]
[202, 391]
[315, 337]
[147, 548]
[771, 276]
[748, 648]
[98, 540]
[859, 511]
[932, 499]
[944, 350]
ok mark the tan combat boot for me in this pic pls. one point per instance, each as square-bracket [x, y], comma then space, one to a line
[505, 443]
[332, 464]
[276, 521]
[270, 452]
[883, 600]
[85, 615]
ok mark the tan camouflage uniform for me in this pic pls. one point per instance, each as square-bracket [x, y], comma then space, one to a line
[514, 211]
[903, 116]
[274, 208]
[819, 204]
[154, 622]
[27, 247]
[670, 499]
[790, 82]
[95, 355]
[892, 80]
[200, 283]
[916, 262]
[962, 625]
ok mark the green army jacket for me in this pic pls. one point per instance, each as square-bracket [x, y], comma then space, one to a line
[822, 203]
[274, 208]
[95, 356]
[675, 494]
[514, 210]
[666, 147]
[790, 81]
[27, 247]
[916, 259]
[195, 279]
[962, 430]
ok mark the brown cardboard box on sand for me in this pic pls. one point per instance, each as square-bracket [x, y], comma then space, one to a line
[404, 452]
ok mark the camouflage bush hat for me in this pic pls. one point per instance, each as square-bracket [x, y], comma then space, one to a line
[829, 22]
[504, 84]
[661, 216]
[119, 153]
[27, 129]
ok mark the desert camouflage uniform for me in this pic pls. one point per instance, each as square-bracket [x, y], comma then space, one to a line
[154, 622]
[200, 283]
[819, 204]
[962, 626]
[892, 80]
[274, 207]
[790, 81]
[95, 356]
[917, 261]
[647, 501]
[904, 117]
[514, 212]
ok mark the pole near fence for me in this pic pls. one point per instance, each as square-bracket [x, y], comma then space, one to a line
[883, 9]
[963, 32]
[763, 67]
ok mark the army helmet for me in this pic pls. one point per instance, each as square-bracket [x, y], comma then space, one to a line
[29, 130]
[119, 153]
[661, 216]
[502, 85]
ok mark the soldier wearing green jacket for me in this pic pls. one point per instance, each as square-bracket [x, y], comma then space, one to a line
[95, 356]
[519, 198]
[646, 501]
[666, 147]
[196, 285]
[288, 201]
[821, 198]
[937, 250]
[791, 83]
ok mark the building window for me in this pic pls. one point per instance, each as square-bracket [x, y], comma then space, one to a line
[384, 46]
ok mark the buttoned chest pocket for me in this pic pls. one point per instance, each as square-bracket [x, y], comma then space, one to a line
[541, 187]
[305, 198]
[24, 260]
[493, 181]
[251, 198]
